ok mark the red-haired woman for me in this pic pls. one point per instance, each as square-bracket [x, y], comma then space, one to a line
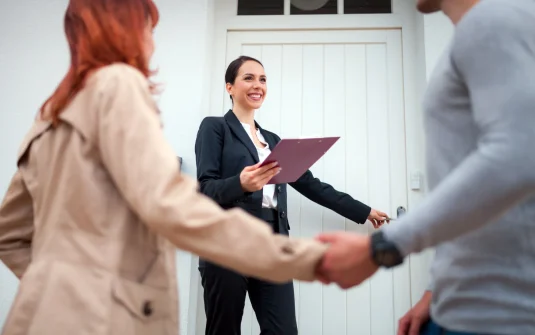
[93, 215]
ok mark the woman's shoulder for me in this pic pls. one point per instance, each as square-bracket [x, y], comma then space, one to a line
[212, 123]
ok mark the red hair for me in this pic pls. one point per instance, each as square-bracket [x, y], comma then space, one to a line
[100, 33]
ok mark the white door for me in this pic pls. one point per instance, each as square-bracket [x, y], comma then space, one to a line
[338, 83]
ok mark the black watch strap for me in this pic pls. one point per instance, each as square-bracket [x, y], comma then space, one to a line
[384, 253]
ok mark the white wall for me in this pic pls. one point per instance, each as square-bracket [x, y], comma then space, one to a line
[34, 56]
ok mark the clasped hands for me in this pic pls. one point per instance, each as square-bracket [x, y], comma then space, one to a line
[348, 261]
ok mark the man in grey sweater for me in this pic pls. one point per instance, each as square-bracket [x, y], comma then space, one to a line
[480, 214]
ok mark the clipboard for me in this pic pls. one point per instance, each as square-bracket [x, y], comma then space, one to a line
[296, 156]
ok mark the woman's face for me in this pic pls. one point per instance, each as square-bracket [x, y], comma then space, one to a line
[249, 88]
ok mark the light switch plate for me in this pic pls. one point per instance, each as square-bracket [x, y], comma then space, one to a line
[416, 181]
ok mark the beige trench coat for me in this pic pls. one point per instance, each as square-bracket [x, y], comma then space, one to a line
[96, 209]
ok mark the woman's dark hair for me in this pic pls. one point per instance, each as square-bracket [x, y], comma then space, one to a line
[234, 67]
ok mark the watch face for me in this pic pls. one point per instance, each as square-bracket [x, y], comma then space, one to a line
[388, 258]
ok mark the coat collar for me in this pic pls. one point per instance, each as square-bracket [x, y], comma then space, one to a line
[270, 139]
[237, 128]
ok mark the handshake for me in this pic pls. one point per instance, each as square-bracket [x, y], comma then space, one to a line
[348, 261]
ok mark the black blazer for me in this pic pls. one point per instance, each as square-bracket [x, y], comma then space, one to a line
[223, 149]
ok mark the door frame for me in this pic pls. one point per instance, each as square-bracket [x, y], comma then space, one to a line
[404, 17]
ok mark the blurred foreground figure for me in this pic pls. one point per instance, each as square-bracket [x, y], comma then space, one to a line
[93, 215]
[480, 214]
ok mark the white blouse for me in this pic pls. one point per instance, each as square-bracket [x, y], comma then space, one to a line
[269, 199]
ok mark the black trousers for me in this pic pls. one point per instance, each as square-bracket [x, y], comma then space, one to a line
[224, 300]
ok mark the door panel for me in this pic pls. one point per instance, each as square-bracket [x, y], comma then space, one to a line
[346, 83]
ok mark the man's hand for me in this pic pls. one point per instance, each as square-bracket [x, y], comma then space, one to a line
[411, 322]
[348, 261]
[254, 177]
[378, 218]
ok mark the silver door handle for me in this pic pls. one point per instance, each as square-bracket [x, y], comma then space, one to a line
[400, 212]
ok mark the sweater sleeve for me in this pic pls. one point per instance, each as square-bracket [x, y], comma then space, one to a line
[493, 54]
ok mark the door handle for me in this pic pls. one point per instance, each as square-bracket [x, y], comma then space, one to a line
[401, 211]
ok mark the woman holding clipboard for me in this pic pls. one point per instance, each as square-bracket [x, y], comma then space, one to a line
[229, 151]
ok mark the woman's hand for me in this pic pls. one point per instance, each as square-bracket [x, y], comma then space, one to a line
[254, 177]
[377, 218]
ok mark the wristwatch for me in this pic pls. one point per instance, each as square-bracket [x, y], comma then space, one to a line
[384, 253]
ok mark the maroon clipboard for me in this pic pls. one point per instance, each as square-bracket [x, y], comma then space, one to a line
[296, 156]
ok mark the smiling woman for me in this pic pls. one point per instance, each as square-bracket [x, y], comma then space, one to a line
[229, 151]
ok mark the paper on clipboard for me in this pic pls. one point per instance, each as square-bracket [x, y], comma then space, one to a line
[296, 156]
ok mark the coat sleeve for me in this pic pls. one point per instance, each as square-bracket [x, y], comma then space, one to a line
[16, 226]
[144, 168]
[327, 196]
[208, 153]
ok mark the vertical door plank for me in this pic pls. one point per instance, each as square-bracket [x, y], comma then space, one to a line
[358, 298]
[378, 162]
[310, 294]
[291, 106]
[334, 302]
